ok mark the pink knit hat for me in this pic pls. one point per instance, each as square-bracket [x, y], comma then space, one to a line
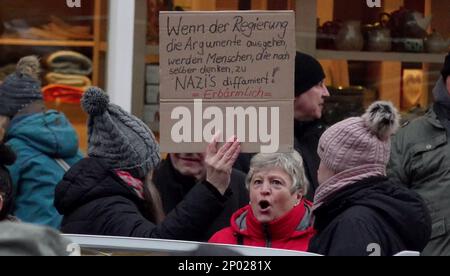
[360, 141]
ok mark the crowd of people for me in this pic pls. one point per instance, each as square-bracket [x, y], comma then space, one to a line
[361, 182]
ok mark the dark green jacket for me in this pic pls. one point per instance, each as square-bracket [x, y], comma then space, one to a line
[420, 159]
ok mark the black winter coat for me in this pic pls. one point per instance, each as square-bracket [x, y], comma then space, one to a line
[307, 136]
[95, 201]
[174, 187]
[306, 140]
[374, 212]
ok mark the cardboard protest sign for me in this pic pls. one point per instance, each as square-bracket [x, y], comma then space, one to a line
[224, 67]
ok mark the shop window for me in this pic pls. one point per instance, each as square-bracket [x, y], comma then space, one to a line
[57, 33]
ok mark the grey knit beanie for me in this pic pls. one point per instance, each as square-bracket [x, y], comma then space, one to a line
[118, 137]
[21, 88]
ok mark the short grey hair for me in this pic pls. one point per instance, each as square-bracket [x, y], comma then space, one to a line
[291, 163]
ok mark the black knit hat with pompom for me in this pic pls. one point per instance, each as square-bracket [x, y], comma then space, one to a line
[118, 137]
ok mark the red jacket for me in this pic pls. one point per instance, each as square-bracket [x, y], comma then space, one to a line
[292, 231]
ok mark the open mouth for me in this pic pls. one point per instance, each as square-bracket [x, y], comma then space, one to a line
[191, 159]
[264, 205]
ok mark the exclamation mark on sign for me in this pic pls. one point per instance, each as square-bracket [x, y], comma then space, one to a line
[275, 71]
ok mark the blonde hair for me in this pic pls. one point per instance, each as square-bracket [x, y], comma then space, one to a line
[153, 200]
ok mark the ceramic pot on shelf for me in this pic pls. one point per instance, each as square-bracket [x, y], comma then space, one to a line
[417, 25]
[406, 23]
[408, 30]
[350, 37]
[379, 35]
[436, 43]
[326, 35]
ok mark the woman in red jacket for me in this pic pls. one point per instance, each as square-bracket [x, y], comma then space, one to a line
[278, 216]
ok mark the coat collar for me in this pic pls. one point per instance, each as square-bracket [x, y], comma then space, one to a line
[294, 223]
[304, 128]
[433, 119]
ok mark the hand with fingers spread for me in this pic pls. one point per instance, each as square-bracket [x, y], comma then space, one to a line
[219, 163]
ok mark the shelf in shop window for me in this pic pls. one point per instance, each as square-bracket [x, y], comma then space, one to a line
[151, 59]
[152, 50]
[38, 42]
[103, 46]
[152, 54]
[380, 56]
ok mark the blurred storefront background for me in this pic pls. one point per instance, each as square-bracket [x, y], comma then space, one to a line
[393, 52]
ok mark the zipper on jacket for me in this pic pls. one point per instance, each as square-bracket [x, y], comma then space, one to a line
[266, 231]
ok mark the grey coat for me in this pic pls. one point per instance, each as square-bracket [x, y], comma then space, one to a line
[420, 159]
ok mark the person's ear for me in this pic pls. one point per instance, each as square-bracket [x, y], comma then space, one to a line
[299, 198]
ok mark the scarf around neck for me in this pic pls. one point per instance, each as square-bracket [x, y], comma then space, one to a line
[136, 184]
[345, 179]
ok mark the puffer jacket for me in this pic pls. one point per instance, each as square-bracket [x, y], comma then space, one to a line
[371, 217]
[38, 141]
[293, 231]
[95, 201]
[420, 159]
